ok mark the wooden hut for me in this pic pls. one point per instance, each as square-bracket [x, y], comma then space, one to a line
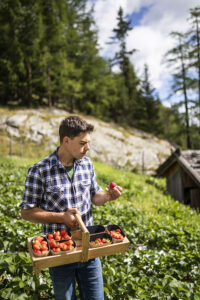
[182, 172]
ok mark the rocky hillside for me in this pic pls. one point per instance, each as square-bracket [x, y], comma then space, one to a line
[110, 143]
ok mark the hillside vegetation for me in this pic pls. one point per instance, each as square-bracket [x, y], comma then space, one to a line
[34, 133]
[163, 261]
[51, 56]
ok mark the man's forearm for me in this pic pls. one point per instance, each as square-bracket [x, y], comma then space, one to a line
[39, 215]
[100, 199]
[111, 194]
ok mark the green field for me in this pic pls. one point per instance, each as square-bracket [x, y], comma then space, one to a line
[163, 261]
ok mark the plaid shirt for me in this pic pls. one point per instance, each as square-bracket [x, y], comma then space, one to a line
[49, 187]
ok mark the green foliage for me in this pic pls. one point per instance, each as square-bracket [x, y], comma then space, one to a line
[163, 261]
[184, 62]
[151, 106]
[49, 55]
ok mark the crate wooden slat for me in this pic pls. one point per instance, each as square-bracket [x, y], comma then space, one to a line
[81, 254]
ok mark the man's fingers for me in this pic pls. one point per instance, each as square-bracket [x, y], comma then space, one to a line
[73, 210]
[74, 225]
[117, 187]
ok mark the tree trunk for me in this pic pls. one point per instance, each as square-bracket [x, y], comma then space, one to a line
[71, 110]
[49, 86]
[198, 59]
[189, 145]
[29, 85]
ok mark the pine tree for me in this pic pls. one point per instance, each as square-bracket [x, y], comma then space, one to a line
[11, 58]
[50, 46]
[129, 89]
[194, 40]
[84, 52]
[151, 104]
[177, 58]
[30, 33]
[172, 126]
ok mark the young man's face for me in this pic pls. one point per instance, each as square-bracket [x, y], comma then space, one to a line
[79, 145]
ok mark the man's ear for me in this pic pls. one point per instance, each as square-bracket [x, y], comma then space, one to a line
[65, 140]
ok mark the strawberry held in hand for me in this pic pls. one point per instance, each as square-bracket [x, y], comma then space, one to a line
[112, 185]
[113, 192]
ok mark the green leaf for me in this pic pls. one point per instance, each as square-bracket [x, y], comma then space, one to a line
[21, 284]
[12, 268]
[33, 285]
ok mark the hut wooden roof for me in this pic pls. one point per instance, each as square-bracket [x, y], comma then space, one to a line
[189, 160]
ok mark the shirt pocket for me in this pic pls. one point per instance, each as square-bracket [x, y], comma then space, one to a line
[55, 198]
[85, 188]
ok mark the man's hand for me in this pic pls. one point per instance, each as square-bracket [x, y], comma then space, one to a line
[69, 218]
[113, 193]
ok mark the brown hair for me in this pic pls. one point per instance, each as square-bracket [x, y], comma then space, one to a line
[73, 126]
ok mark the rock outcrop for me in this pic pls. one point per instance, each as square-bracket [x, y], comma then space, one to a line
[125, 148]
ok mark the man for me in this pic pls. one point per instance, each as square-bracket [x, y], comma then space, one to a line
[56, 188]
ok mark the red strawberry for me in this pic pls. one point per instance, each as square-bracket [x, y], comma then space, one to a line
[65, 248]
[70, 247]
[53, 244]
[93, 243]
[39, 238]
[44, 248]
[50, 236]
[112, 185]
[105, 241]
[69, 243]
[66, 236]
[36, 247]
[37, 251]
[63, 232]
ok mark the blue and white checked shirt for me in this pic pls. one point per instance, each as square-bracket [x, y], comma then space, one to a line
[49, 187]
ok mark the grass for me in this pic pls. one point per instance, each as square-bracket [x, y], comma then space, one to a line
[23, 148]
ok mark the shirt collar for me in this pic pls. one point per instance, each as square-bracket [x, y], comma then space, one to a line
[54, 161]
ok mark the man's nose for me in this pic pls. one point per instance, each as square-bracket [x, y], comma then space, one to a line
[87, 147]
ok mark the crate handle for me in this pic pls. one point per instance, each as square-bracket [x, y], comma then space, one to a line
[80, 221]
[85, 238]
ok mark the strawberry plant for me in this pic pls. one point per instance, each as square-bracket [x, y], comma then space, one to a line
[163, 260]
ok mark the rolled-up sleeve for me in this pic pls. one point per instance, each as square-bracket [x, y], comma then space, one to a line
[33, 189]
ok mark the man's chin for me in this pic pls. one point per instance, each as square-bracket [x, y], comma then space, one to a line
[81, 155]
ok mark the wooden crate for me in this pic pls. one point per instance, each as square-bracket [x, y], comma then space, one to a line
[82, 253]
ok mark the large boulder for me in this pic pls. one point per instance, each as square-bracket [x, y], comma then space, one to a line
[16, 120]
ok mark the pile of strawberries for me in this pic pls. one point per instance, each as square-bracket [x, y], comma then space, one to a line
[56, 243]
[40, 245]
[61, 246]
[58, 235]
[99, 242]
[116, 234]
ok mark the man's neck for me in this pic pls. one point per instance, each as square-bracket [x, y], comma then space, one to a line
[65, 159]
